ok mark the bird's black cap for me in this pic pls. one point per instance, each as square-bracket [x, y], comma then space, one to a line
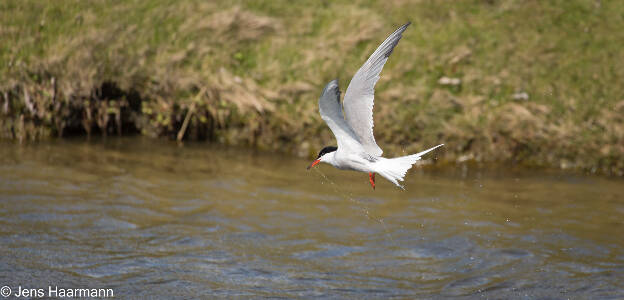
[326, 150]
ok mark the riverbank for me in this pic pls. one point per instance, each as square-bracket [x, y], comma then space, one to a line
[494, 81]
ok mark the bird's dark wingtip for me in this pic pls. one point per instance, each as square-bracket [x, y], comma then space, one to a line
[404, 26]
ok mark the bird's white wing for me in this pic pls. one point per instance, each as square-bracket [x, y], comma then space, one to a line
[360, 96]
[331, 112]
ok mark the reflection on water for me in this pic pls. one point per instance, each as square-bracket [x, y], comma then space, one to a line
[150, 218]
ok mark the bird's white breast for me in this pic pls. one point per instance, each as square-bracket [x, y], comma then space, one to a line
[351, 161]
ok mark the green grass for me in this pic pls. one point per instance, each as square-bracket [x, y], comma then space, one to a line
[252, 72]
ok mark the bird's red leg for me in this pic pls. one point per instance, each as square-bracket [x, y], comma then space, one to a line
[371, 177]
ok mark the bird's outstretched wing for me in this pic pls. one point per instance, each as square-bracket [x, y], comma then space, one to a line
[331, 112]
[360, 95]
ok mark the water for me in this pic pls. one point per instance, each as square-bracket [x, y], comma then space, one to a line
[151, 218]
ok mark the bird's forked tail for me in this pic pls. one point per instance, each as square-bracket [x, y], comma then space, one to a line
[394, 169]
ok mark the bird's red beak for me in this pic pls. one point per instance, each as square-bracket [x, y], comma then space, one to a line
[314, 163]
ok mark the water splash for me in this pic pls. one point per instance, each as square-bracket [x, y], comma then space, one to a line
[364, 207]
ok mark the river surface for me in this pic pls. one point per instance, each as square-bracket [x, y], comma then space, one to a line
[150, 218]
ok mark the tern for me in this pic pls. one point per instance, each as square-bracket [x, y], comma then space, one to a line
[357, 149]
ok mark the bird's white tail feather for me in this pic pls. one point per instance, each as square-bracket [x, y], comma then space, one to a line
[394, 169]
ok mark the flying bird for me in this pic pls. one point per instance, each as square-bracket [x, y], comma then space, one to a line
[357, 149]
